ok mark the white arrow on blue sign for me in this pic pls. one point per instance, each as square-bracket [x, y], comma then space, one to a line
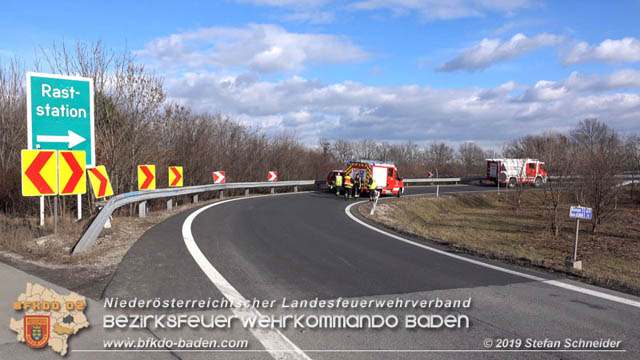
[580, 212]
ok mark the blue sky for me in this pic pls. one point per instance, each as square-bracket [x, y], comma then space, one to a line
[392, 70]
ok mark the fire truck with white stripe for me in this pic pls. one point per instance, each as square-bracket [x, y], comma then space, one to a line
[386, 176]
[512, 171]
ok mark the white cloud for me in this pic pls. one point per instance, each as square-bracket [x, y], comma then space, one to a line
[311, 109]
[490, 51]
[582, 85]
[612, 51]
[286, 3]
[261, 48]
[442, 10]
[310, 16]
[425, 9]
[311, 11]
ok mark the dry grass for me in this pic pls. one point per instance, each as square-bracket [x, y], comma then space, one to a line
[34, 249]
[489, 226]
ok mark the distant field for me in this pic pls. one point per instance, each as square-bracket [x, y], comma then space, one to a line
[491, 226]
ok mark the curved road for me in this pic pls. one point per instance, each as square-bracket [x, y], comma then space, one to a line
[304, 246]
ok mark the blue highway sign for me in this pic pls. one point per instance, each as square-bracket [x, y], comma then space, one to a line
[579, 212]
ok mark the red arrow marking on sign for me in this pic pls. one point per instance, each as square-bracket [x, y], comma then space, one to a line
[77, 172]
[33, 172]
[177, 178]
[103, 181]
[149, 177]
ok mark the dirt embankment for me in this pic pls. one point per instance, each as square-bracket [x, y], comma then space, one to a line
[491, 226]
[34, 249]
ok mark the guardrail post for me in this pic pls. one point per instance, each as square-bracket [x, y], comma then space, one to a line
[295, 189]
[195, 198]
[169, 204]
[221, 194]
[142, 209]
[246, 192]
[273, 190]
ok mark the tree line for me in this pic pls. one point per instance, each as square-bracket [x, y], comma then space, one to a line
[135, 125]
[585, 165]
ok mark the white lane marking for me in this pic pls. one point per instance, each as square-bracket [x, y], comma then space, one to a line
[278, 345]
[560, 284]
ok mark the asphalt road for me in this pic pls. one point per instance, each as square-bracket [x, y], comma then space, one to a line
[303, 246]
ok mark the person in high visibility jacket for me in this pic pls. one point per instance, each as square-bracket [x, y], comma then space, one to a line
[372, 189]
[338, 183]
[357, 185]
[348, 185]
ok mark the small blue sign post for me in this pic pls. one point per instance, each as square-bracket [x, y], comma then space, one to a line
[578, 212]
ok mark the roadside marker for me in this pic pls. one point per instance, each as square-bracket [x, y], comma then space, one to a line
[100, 182]
[72, 176]
[219, 177]
[146, 177]
[39, 172]
[175, 176]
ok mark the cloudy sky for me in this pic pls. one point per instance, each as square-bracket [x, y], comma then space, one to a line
[391, 70]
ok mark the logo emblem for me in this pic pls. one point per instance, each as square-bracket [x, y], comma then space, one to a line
[36, 330]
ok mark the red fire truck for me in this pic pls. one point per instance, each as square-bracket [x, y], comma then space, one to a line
[512, 171]
[386, 176]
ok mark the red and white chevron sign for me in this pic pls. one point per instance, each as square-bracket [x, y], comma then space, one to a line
[218, 177]
[273, 176]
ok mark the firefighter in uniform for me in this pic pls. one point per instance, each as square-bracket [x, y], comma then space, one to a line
[372, 189]
[357, 186]
[338, 183]
[348, 185]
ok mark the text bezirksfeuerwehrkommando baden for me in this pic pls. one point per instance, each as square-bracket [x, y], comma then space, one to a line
[298, 321]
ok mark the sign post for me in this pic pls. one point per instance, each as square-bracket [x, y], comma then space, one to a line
[578, 212]
[437, 185]
[42, 211]
[60, 114]
[79, 200]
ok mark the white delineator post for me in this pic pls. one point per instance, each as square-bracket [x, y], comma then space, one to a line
[55, 215]
[375, 202]
[438, 184]
[79, 199]
[41, 210]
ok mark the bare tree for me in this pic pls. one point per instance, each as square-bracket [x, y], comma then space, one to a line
[530, 146]
[438, 156]
[632, 159]
[599, 153]
[365, 149]
[558, 158]
[13, 132]
[343, 151]
[472, 158]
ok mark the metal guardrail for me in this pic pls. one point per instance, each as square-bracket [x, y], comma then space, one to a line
[444, 180]
[92, 233]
